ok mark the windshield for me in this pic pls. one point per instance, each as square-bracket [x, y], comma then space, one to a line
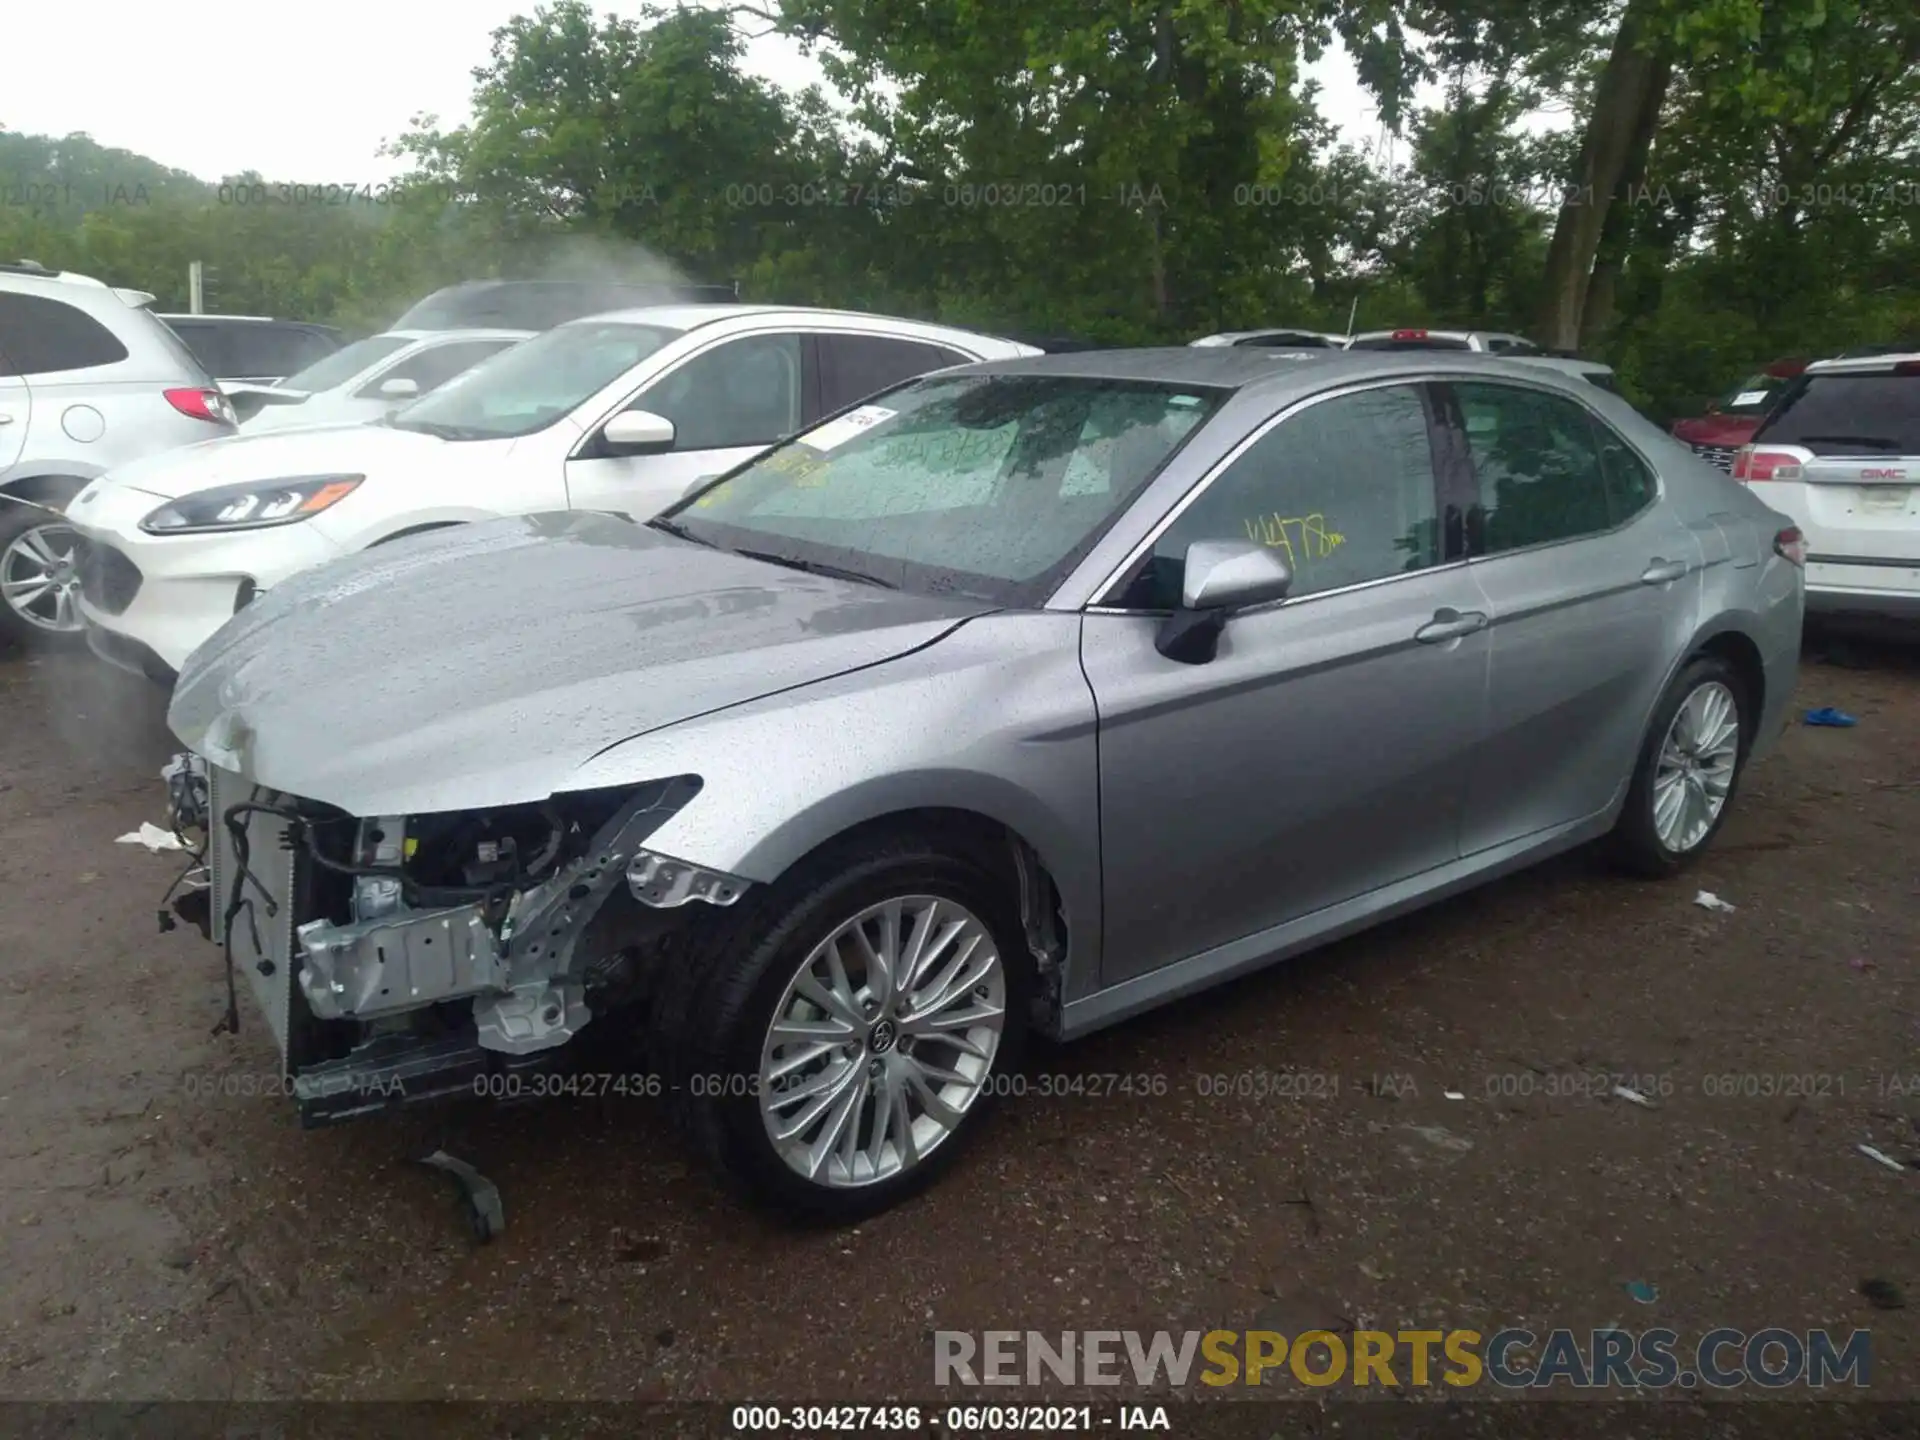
[1750, 396]
[985, 485]
[532, 385]
[1849, 415]
[343, 364]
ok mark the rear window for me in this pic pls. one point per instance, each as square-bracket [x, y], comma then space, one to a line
[39, 336]
[1287, 342]
[1751, 396]
[1424, 342]
[1848, 415]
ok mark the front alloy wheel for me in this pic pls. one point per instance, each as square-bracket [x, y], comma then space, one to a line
[835, 1039]
[40, 579]
[882, 1042]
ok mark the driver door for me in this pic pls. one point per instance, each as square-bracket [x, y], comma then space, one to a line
[727, 404]
[1322, 753]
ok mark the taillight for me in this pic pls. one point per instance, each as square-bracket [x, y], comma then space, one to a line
[1409, 334]
[1756, 463]
[1790, 545]
[208, 405]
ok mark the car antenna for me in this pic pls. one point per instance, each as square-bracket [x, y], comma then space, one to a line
[1353, 313]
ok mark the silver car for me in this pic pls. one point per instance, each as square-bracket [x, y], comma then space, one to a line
[1025, 696]
[89, 379]
[362, 381]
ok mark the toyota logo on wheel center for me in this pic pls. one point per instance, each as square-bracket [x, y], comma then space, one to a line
[880, 1039]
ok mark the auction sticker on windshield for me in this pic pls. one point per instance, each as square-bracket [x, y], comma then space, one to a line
[836, 433]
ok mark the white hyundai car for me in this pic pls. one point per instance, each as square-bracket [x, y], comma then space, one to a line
[623, 412]
[366, 379]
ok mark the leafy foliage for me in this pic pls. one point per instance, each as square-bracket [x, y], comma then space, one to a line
[1126, 170]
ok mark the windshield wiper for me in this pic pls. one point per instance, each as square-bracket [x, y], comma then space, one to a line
[819, 567]
[678, 531]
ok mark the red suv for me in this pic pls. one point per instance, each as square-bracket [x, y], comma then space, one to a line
[1731, 420]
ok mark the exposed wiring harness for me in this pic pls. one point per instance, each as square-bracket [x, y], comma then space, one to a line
[493, 898]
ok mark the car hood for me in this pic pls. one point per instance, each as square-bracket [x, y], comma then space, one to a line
[484, 665]
[343, 449]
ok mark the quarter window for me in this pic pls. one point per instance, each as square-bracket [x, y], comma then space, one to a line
[1536, 465]
[43, 337]
[745, 392]
[1344, 490]
[1631, 483]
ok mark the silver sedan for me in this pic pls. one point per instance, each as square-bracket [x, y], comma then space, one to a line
[1025, 696]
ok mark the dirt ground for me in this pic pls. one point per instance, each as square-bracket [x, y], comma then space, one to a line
[164, 1234]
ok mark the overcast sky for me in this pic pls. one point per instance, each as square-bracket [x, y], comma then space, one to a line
[308, 94]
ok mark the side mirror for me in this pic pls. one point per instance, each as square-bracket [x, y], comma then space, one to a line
[398, 388]
[638, 432]
[1221, 576]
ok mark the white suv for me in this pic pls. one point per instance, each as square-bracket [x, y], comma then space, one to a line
[1839, 451]
[623, 412]
[89, 379]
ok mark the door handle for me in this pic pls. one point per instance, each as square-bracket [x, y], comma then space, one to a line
[1660, 572]
[1450, 624]
[6, 419]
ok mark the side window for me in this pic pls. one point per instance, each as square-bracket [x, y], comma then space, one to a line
[435, 366]
[44, 337]
[853, 367]
[1631, 484]
[1536, 466]
[1344, 490]
[745, 392]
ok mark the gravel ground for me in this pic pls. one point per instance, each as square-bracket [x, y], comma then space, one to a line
[161, 1242]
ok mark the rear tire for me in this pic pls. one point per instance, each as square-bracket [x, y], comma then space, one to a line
[39, 582]
[768, 966]
[1689, 760]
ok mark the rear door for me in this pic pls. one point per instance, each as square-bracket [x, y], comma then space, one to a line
[852, 367]
[1858, 499]
[1592, 581]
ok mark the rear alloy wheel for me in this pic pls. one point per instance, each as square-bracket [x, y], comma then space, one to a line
[841, 1041]
[39, 576]
[1688, 771]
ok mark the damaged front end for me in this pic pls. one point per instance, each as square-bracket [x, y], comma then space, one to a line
[399, 958]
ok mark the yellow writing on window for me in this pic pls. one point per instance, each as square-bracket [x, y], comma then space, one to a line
[1304, 537]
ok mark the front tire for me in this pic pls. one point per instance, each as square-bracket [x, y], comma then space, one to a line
[842, 1039]
[1688, 771]
[39, 578]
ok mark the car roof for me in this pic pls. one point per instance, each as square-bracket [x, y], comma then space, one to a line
[478, 333]
[171, 315]
[1230, 337]
[1235, 368]
[693, 316]
[1863, 364]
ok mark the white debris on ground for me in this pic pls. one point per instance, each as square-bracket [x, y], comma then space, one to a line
[151, 836]
[1707, 900]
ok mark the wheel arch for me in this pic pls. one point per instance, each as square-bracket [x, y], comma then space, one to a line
[1056, 929]
[56, 488]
